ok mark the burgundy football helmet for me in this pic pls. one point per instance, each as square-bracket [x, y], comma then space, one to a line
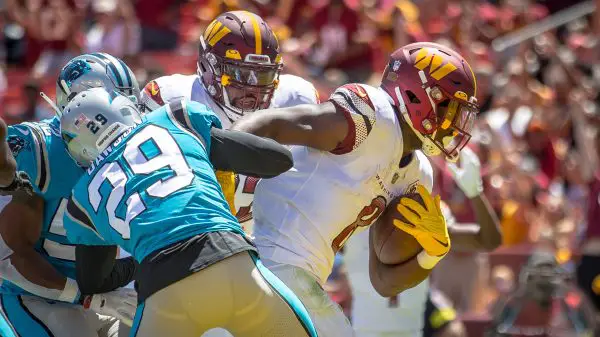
[434, 89]
[239, 62]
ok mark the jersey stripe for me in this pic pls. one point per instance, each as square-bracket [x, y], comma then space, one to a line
[42, 180]
[177, 111]
[5, 316]
[350, 102]
[127, 76]
[110, 66]
[78, 214]
[122, 69]
[34, 317]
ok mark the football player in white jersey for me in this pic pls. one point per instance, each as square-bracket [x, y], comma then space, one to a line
[355, 153]
[239, 69]
[403, 315]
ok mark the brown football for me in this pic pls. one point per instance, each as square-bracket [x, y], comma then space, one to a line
[392, 245]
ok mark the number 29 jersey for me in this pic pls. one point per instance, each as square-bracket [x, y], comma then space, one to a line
[304, 216]
[154, 186]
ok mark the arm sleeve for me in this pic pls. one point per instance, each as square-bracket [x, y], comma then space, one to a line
[27, 142]
[98, 270]
[247, 154]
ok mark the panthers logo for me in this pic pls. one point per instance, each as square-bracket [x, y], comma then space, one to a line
[75, 70]
[16, 144]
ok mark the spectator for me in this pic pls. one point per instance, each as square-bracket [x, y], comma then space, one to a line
[543, 304]
[159, 20]
[34, 110]
[115, 31]
[341, 43]
[53, 25]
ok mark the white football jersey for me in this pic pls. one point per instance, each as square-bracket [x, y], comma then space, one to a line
[402, 314]
[292, 90]
[302, 217]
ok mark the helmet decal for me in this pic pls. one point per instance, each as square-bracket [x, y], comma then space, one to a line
[215, 32]
[426, 59]
[75, 70]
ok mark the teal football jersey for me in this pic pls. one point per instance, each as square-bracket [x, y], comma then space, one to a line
[39, 151]
[153, 186]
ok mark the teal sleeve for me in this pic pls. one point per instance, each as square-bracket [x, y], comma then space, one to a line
[202, 119]
[79, 226]
[28, 145]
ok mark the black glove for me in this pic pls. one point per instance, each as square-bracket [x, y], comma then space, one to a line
[20, 183]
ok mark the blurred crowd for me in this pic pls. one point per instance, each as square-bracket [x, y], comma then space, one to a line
[537, 133]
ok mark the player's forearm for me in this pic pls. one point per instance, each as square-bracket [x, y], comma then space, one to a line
[390, 280]
[98, 270]
[247, 154]
[37, 270]
[317, 126]
[8, 165]
[490, 235]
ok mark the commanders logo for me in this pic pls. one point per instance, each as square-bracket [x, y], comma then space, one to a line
[16, 144]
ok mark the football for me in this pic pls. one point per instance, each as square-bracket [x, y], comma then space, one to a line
[392, 245]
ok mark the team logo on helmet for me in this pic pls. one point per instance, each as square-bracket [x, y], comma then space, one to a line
[75, 70]
[426, 59]
[153, 91]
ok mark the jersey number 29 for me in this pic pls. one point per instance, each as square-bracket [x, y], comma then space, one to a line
[170, 156]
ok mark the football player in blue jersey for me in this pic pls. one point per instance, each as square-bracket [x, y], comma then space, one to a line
[150, 188]
[39, 295]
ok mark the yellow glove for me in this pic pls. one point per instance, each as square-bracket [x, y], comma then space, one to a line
[227, 181]
[426, 224]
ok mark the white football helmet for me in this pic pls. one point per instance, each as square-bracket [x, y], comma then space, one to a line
[93, 119]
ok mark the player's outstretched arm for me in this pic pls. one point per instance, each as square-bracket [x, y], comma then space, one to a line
[20, 263]
[8, 165]
[486, 234]
[390, 280]
[247, 154]
[320, 126]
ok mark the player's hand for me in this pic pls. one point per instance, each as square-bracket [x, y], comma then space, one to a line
[120, 304]
[468, 175]
[426, 224]
[21, 183]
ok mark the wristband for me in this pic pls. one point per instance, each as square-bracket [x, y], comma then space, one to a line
[427, 261]
[70, 293]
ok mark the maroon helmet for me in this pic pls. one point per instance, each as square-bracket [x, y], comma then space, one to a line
[434, 89]
[239, 62]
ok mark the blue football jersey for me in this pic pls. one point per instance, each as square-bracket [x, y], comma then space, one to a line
[39, 151]
[154, 186]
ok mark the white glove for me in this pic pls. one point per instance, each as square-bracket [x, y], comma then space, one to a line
[120, 304]
[468, 175]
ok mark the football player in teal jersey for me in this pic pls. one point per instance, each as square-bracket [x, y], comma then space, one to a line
[38, 261]
[150, 188]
